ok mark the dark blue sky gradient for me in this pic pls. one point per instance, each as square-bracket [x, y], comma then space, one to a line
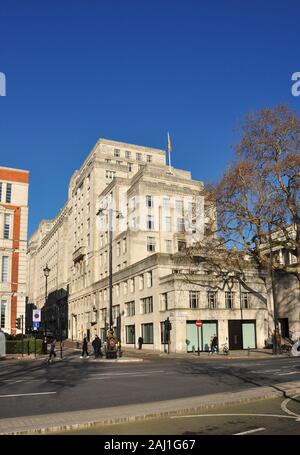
[131, 70]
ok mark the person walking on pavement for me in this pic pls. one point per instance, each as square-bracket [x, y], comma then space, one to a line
[84, 348]
[140, 342]
[52, 352]
[97, 346]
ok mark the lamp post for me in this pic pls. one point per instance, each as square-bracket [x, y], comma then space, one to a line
[111, 351]
[46, 271]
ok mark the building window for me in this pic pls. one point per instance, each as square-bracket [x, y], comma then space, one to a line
[8, 193]
[118, 249]
[149, 159]
[168, 224]
[180, 225]
[132, 287]
[109, 174]
[124, 264]
[108, 160]
[245, 300]
[139, 157]
[117, 290]
[164, 301]
[181, 245]
[149, 279]
[149, 201]
[150, 222]
[141, 282]
[130, 334]
[103, 314]
[212, 299]
[125, 287]
[147, 333]
[115, 312]
[6, 225]
[179, 206]
[194, 299]
[130, 167]
[130, 308]
[117, 152]
[132, 203]
[151, 244]
[4, 272]
[229, 299]
[166, 203]
[147, 305]
[127, 154]
[168, 244]
[0, 191]
[3, 312]
[124, 246]
[119, 163]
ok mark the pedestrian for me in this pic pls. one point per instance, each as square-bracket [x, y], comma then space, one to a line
[140, 342]
[52, 352]
[215, 343]
[97, 346]
[84, 348]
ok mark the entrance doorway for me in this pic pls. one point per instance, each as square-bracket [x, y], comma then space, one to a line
[284, 327]
[242, 334]
[235, 335]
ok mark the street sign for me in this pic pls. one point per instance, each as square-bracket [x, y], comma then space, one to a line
[35, 325]
[36, 315]
[199, 323]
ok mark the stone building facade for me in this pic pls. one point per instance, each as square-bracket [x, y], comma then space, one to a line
[158, 211]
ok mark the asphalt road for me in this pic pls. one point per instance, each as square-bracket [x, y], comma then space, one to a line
[32, 388]
[266, 417]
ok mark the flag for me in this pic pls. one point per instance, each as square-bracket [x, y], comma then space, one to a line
[169, 143]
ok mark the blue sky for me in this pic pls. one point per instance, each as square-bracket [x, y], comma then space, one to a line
[131, 70]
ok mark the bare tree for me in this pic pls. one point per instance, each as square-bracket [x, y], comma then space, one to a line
[256, 219]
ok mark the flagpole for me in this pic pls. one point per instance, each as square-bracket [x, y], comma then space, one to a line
[169, 151]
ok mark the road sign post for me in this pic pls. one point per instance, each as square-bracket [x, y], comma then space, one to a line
[198, 324]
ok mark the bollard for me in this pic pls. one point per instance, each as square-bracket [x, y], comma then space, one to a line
[248, 350]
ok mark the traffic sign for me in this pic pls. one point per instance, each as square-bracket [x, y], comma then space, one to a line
[35, 325]
[36, 315]
[199, 323]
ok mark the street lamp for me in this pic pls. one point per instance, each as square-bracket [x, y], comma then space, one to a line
[46, 271]
[111, 351]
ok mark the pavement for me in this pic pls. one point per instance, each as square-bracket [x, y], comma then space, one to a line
[61, 422]
[237, 354]
[278, 416]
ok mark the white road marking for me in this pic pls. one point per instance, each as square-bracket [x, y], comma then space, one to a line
[236, 415]
[290, 372]
[26, 394]
[285, 409]
[113, 377]
[128, 374]
[250, 431]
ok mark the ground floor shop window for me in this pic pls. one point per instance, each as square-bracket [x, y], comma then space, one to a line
[208, 330]
[147, 333]
[3, 311]
[130, 334]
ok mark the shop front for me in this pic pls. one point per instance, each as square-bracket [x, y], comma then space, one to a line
[208, 330]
